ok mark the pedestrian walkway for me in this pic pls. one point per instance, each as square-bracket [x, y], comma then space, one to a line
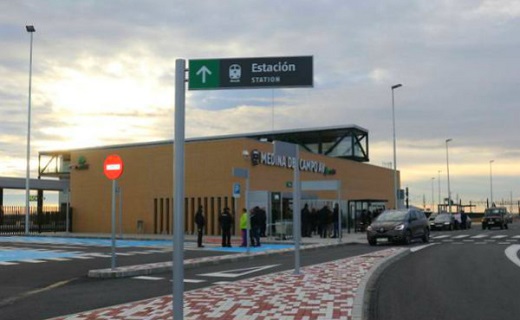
[236, 253]
[86, 241]
[332, 290]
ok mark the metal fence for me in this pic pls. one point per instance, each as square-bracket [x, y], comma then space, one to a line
[47, 219]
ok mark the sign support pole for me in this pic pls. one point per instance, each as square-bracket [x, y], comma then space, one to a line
[67, 218]
[296, 210]
[114, 185]
[120, 196]
[248, 232]
[178, 197]
[340, 228]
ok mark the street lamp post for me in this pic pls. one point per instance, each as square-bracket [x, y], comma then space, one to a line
[395, 154]
[433, 197]
[31, 30]
[448, 172]
[439, 182]
[491, 179]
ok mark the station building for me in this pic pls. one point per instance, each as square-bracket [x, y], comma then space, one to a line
[145, 189]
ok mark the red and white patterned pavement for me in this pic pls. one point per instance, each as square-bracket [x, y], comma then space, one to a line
[325, 291]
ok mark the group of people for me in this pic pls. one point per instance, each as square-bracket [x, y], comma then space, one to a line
[461, 220]
[323, 222]
[256, 225]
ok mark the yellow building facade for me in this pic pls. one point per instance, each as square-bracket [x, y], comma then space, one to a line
[146, 184]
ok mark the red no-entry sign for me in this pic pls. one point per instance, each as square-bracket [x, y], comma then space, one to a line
[113, 167]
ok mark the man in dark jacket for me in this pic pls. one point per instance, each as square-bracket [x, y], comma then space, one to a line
[255, 227]
[200, 221]
[226, 221]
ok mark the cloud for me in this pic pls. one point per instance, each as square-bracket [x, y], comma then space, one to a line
[103, 73]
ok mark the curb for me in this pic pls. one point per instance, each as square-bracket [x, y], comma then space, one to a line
[160, 267]
[361, 304]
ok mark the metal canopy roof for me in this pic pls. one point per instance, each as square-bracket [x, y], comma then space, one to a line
[347, 142]
[35, 184]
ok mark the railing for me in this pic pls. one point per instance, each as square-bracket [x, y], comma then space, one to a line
[48, 219]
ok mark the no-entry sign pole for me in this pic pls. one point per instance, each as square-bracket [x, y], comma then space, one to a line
[178, 197]
[113, 169]
[114, 186]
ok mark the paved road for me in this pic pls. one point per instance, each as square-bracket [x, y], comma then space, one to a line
[53, 288]
[33, 268]
[463, 275]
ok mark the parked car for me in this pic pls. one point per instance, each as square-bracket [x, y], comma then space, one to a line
[495, 217]
[399, 226]
[431, 220]
[443, 221]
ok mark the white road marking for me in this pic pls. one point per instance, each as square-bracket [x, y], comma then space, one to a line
[479, 236]
[461, 236]
[415, 249]
[237, 272]
[499, 236]
[148, 278]
[99, 255]
[441, 237]
[194, 280]
[512, 253]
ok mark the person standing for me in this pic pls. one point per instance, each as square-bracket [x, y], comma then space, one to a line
[226, 221]
[262, 216]
[305, 217]
[200, 221]
[255, 227]
[464, 220]
[335, 222]
[243, 227]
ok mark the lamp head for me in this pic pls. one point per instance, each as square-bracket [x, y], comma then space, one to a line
[30, 28]
[396, 86]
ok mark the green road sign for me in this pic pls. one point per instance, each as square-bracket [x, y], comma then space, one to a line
[244, 73]
[204, 74]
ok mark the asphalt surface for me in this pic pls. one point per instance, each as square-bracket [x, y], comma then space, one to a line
[466, 274]
[54, 288]
[463, 275]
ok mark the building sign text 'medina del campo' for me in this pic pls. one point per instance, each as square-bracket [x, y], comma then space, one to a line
[271, 159]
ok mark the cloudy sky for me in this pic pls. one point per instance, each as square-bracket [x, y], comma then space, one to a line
[103, 73]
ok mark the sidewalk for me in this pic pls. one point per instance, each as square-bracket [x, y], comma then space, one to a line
[333, 290]
[240, 253]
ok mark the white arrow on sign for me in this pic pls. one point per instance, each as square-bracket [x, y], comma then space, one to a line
[237, 272]
[204, 71]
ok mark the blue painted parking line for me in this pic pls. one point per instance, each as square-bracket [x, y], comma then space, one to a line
[87, 241]
[262, 248]
[20, 255]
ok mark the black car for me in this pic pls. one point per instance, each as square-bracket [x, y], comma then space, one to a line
[495, 217]
[399, 226]
[443, 221]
